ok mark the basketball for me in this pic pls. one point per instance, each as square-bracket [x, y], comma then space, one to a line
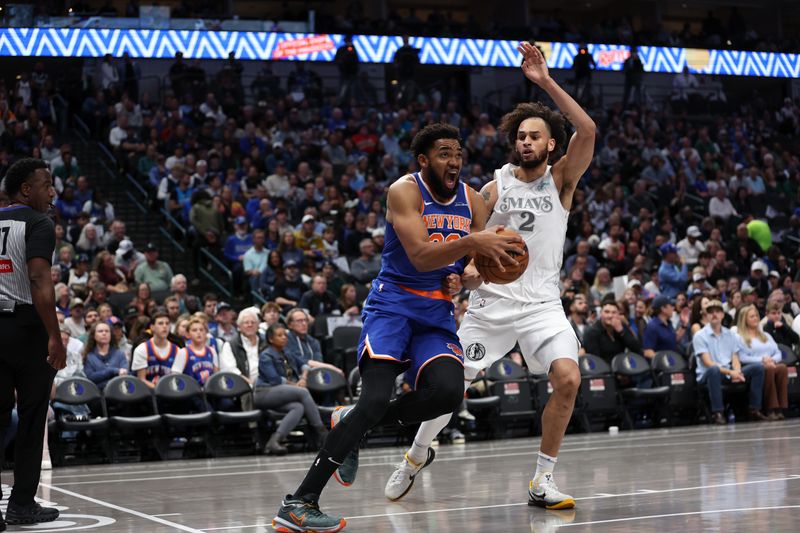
[491, 273]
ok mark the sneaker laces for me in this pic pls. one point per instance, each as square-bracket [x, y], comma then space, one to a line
[402, 469]
[545, 480]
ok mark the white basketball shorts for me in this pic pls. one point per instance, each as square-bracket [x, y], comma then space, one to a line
[492, 326]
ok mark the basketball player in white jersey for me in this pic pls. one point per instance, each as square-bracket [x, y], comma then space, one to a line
[534, 199]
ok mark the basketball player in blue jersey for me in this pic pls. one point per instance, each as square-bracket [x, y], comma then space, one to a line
[433, 223]
[533, 198]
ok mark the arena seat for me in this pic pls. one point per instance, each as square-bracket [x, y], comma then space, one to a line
[597, 396]
[225, 391]
[134, 417]
[67, 430]
[325, 382]
[344, 346]
[638, 398]
[184, 410]
[509, 381]
[671, 369]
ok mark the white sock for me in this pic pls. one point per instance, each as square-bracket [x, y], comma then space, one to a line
[544, 464]
[427, 432]
[425, 435]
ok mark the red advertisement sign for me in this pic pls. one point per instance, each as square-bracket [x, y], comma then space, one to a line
[305, 45]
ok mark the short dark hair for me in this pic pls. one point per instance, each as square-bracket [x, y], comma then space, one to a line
[160, 312]
[273, 329]
[19, 173]
[554, 120]
[424, 139]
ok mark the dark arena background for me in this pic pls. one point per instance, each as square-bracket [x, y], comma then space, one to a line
[226, 164]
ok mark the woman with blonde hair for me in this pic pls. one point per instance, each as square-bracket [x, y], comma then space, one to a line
[758, 348]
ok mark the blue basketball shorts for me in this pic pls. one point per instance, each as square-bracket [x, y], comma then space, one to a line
[408, 327]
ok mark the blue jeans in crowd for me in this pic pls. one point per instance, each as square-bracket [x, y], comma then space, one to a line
[754, 379]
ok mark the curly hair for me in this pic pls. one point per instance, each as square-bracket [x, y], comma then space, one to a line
[424, 139]
[555, 121]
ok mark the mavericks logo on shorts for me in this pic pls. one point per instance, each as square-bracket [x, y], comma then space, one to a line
[475, 351]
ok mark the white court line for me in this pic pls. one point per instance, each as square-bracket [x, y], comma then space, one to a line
[652, 516]
[627, 437]
[578, 499]
[133, 512]
[497, 506]
[167, 514]
[475, 458]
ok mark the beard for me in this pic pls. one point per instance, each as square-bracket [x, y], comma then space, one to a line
[537, 160]
[439, 188]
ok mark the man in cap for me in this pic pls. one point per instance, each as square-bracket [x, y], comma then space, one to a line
[75, 322]
[659, 333]
[758, 279]
[672, 274]
[288, 291]
[715, 347]
[155, 273]
[689, 248]
[307, 239]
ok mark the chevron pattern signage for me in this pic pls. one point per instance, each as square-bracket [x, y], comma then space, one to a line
[163, 44]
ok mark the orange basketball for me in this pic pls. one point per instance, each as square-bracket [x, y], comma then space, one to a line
[489, 270]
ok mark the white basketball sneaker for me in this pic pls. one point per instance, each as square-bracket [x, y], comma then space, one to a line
[402, 479]
[543, 492]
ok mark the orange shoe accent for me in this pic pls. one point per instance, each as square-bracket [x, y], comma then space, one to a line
[569, 503]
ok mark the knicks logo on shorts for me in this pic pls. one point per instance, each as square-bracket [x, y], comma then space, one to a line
[6, 266]
[456, 349]
[476, 351]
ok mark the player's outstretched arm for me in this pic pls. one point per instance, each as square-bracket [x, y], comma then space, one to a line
[403, 211]
[580, 149]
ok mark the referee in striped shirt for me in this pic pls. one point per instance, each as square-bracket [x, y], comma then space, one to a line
[32, 350]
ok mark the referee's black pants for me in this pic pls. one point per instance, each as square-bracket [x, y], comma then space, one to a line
[24, 369]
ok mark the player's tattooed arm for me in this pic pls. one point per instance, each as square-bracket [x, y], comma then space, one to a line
[489, 195]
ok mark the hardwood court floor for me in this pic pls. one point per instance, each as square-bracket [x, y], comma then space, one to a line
[744, 477]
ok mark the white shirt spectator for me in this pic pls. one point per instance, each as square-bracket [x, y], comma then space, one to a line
[116, 136]
[227, 363]
[796, 324]
[690, 252]
[721, 208]
[277, 185]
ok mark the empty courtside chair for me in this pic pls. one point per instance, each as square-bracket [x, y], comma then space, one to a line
[672, 370]
[791, 361]
[183, 408]
[344, 346]
[236, 426]
[324, 382]
[597, 400]
[510, 383]
[635, 366]
[136, 426]
[68, 430]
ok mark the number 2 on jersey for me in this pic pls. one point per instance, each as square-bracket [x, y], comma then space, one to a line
[527, 225]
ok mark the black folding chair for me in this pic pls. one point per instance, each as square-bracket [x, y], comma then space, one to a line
[638, 398]
[792, 363]
[324, 383]
[672, 370]
[136, 426]
[225, 392]
[344, 346]
[184, 410]
[510, 383]
[598, 399]
[68, 433]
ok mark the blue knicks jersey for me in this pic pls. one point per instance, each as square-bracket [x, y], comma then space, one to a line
[445, 222]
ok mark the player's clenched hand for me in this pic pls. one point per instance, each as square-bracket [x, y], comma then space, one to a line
[471, 278]
[452, 284]
[57, 353]
[496, 247]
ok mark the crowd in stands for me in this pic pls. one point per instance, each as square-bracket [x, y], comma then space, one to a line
[679, 228]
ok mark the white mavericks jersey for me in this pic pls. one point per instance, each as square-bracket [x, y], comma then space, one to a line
[534, 211]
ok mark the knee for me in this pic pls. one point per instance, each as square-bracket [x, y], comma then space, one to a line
[714, 373]
[758, 371]
[447, 397]
[566, 382]
[371, 411]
